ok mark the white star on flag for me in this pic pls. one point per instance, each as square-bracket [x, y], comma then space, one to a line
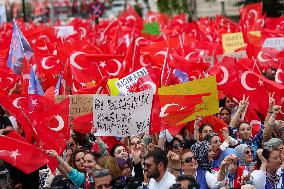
[15, 154]
[260, 82]
[102, 64]
[34, 102]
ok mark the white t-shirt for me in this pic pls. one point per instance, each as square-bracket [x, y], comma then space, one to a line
[167, 181]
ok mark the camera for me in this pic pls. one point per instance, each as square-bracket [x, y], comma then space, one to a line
[127, 183]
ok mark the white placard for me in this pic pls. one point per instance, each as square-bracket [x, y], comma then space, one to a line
[65, 31]
[128, 81]
[275, 42]
[122, 115]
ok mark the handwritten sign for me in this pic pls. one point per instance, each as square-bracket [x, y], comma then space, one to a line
[125, 83]
[210, 103]
[79, 105]
[232, 41]
[274, 42]
[122, 115]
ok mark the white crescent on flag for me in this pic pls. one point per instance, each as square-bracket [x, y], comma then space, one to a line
[15, 102]
[225, 76]
[60, 124]
[164, 109]
[72, 60]
[243, 81]
[43, 63]
[119, 66]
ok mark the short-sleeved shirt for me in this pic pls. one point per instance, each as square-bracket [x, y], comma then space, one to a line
[4, 122]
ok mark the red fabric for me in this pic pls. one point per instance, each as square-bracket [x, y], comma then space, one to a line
[83, 124]
[22, 155]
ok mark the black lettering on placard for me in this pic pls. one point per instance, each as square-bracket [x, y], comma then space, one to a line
[98, 105]
[142, 125]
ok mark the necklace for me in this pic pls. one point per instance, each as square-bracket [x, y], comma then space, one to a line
[272, 179]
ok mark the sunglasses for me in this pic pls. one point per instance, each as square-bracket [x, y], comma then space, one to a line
[189, 159]
[248, 152]
[176, 146]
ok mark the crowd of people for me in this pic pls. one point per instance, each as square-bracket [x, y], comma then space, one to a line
[215, 151]
[187, 160]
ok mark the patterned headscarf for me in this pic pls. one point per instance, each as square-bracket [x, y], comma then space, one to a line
[200, 150]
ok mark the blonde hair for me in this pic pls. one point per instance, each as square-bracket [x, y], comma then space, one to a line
[109, 162]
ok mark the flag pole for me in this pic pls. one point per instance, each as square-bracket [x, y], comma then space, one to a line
[52, 17]
[24, 10]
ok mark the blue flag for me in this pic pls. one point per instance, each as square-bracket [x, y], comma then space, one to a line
[19, 48]
[34, 84]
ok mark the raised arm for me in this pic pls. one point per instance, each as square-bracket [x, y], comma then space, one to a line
[196, 128]
[241, 109]
[63, 167]
[269, 126]
[271, 101]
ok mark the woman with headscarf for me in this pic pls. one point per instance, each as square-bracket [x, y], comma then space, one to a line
[204, 155]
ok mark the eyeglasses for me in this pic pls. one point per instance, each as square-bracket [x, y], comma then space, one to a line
[248, 152]
[189, 159]
[134, 143]
[176, 146]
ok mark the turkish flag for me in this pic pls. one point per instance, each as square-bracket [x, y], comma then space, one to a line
[12, 107]
[175, 108]
[83, 124]
[57, 120]
[7, 80]
[22, 155]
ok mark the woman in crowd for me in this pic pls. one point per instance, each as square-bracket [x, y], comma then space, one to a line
[175, 145]
[270, 175]
[225, 115]
[78, 178]
[245, 155]
[109, 162]
[204, 156]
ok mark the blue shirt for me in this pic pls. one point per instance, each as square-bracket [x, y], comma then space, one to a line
[76, 177]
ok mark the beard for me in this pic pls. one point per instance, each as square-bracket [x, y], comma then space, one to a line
[154, 174]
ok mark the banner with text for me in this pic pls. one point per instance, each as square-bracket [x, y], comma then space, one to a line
[139, 80]
[210, 103]
[122, 115]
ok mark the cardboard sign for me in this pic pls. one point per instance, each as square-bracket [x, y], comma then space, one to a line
[210, 103]
[232, 41]
[79, 105]
[122, 115]
[275, 42]
[127, 82]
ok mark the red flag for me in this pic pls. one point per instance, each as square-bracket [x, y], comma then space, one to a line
[22, 155]
[83, 124]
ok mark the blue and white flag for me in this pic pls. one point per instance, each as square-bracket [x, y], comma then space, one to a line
[34, 84]
[19, 48]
